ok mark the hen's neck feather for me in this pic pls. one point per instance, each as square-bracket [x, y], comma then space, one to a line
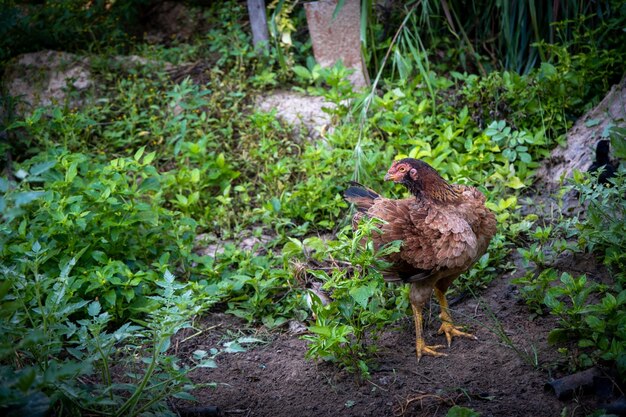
[435, 188]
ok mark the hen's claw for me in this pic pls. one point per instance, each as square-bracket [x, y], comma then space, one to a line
[421, 349]
[453, 331]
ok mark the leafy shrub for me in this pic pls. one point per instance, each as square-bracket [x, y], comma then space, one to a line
[62, 340]
[361, 305]
[604, 228]
[590, 313]
[110, 217]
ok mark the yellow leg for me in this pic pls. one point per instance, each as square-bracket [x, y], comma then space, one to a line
[420, 346]
[447, 325]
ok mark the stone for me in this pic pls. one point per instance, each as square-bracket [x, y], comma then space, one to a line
[48, 77]
[338, 38]
[304, 113]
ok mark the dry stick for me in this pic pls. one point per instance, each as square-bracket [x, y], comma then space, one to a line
[401, 409]
[200, 332]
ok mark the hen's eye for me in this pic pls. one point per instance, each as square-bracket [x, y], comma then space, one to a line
[402, 169]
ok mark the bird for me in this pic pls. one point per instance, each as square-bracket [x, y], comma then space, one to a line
[603, 162]
[444, 228]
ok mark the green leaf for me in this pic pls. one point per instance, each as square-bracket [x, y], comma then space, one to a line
[94, 308]
[71, 172]
[4, 289]
[321, 330]
[168, 276]
[184, 395]
[139, 153]
[595, 323]
[362, 294]
[585, 343]
[557, 336]
[27, 197]
[195, 175]
[36, 248]
[220, 161]
[4, 185]
[515, 183]
[275, 204]
[458, 411]
[110, 297]
[99, 256]
[42, 167]
[182, 200]
[147, 160]
[128, 294]
[302, 72]
[233, 347]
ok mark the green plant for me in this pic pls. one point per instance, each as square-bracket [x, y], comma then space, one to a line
[458, 411]
[53, 340]
[362, 304]
[604, 228]
[110, 214]
[533, 287]
[590, 313]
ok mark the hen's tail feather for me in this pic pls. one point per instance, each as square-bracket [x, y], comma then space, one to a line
[361, 196]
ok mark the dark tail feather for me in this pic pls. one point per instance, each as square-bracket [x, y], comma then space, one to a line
[361, 196]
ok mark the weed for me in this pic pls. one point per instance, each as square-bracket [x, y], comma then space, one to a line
[362, 304]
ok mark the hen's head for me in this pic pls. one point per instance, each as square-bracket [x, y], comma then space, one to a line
[421, 179]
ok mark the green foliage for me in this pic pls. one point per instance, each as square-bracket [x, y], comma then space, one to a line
[110, 217]
[493, 35]
[107, 199]
[329, 82]
[68, 24]
[256, 288]
[604, 229]
[458, 411]
[591, 313]
[362, 304]
[53, 338]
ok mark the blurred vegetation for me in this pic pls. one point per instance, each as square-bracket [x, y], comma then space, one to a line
[106, 208]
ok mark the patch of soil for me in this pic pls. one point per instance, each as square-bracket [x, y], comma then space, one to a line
[492, 375]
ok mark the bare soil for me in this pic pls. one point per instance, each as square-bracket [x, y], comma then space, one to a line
[493, 376]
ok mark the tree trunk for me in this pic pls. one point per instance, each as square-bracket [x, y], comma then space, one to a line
[258, 22]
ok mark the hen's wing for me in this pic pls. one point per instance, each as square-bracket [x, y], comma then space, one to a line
[434, 237]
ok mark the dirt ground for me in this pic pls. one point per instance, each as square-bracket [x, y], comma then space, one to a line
[492, 376]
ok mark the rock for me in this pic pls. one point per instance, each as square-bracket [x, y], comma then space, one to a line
[579, 151]
[172, 20]
[48, 77]
[298, 110]
[134, 62]
[297, 327]
[337, 36]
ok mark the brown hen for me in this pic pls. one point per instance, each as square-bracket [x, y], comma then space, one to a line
[444, 229]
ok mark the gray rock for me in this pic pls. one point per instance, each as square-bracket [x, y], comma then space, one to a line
[298, 110]
[48, 77]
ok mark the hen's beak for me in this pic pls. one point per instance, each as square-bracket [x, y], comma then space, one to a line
[392, 176]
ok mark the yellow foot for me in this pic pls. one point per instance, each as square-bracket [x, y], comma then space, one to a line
[453, 331]
[422, 350]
